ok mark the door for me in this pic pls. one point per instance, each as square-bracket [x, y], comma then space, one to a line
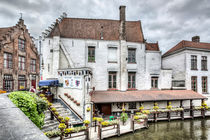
[33, 81]
[106, 109]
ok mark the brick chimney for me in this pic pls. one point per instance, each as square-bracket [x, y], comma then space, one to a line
[122, 23]
[123, 51]
[196, 38]
[122, 13]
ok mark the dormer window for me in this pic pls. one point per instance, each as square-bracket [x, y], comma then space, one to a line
[21, 44]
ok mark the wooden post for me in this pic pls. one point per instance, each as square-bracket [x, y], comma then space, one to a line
[51, 116]
[99, 131]
[118, 129]
[132, 123]
[169, 116]
[191, 109]
[181, 112]
[168, 113]
[202, 109]
[146, 122]
[155, 114]
[95, 125]
[87, 133]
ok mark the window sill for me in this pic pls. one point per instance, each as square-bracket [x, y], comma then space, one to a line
[194, 69]
[112, 61]
[131, 62]
[204, 70]
[112, 89]
[130, 89]
[91, 61]
[205, 93]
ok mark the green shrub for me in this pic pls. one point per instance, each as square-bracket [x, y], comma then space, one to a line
[31, 105]
[124, 117]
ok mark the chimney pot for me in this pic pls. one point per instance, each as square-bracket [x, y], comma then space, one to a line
[122, 13]
[196, 38]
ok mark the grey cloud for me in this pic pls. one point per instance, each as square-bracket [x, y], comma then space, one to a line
[167, 22]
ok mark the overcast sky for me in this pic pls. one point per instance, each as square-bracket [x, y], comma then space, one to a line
[165, 21]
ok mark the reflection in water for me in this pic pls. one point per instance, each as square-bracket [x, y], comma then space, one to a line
[198, 129]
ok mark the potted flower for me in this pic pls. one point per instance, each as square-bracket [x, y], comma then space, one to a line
[88, 109]
[62, 126]
[78, 104]
[86, 122]
[60, 118]
[56, 113]
[53, 109]
[141, 108]
[66, 94]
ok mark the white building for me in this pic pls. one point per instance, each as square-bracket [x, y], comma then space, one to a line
[91, 55]
[189, 61]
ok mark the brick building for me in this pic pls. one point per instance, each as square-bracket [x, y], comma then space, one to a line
[19, 59]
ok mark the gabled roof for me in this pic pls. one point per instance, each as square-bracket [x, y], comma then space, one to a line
[187, 44]
[93, 28]
[144, 95]
[152, 47]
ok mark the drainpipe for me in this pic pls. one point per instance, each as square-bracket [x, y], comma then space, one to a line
[84, 97]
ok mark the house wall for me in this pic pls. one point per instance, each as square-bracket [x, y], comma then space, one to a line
[180, 63]
[177, 63]
[10, 45]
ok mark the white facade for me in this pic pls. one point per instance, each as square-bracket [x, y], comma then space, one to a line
[180, 63]
[69, 54]
[148, 63]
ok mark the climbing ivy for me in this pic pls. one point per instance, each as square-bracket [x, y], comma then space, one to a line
[31, 105]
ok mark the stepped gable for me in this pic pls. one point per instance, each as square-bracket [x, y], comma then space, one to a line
[82, 28]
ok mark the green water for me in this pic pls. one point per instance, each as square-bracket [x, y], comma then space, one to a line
[198, 129]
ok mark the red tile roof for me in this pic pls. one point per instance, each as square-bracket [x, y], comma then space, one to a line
[144, 95]
[152, 47]
[187, 44]
[92, 28]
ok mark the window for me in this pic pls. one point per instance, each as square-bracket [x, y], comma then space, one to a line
[193, 62]
[112, 80]
[204, 63]
[33, 65]
[8, 60]
[91, 54]
[131, 80]
[132, 105]
[8, 82]
[194, 83]
[21, 82]
[178, 83]
[21, 44]
[131, 55]
[204, 84]
[154, 82]
[21, 63]
[112, 54]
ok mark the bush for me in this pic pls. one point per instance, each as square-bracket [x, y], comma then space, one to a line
[124, 117]
[31, 105]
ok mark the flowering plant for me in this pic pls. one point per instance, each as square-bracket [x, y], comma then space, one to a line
[86, 122]
[62, 126]
[141, 107]
[88, 109]
[123, 109]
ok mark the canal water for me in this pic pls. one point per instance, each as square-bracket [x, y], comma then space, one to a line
[197, 129]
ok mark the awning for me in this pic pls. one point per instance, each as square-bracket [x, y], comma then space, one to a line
[144, 96]
[49, 83]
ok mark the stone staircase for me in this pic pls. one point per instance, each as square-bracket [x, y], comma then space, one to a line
[64, 112]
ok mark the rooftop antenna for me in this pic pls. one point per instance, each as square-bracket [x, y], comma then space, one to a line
[21, 15]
